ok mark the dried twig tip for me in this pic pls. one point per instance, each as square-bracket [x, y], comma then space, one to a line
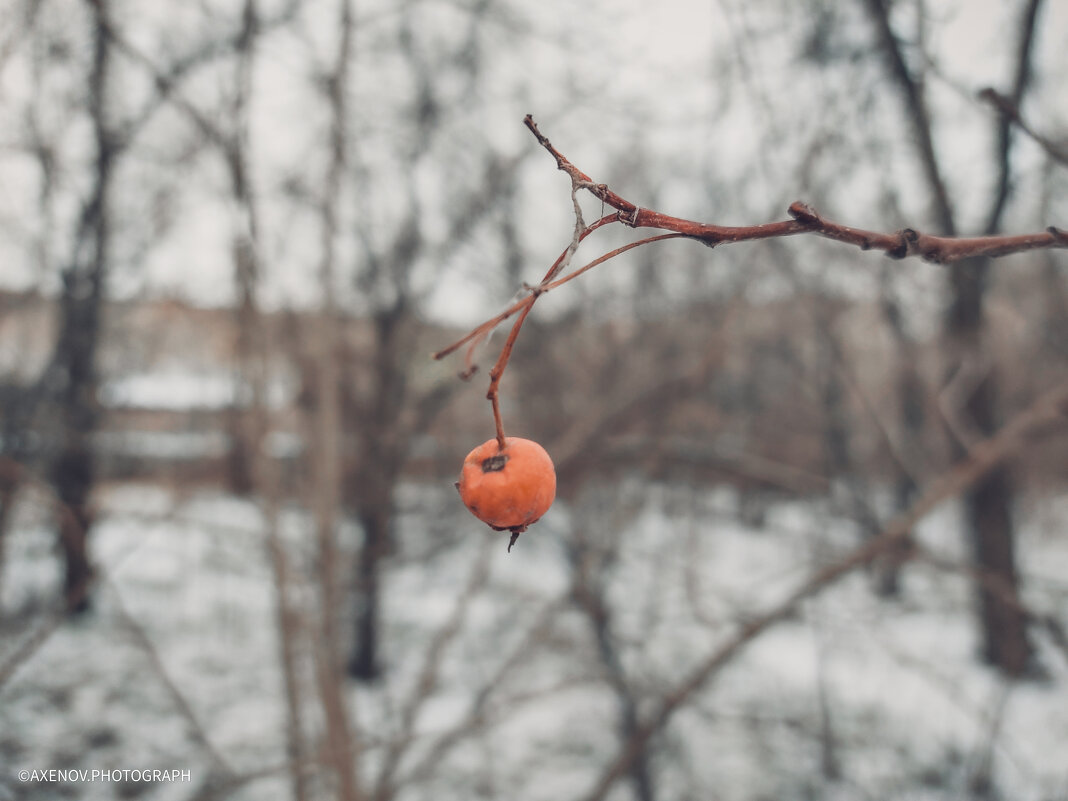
[804, 213]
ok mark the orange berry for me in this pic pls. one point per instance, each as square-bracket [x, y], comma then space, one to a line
[510, 488]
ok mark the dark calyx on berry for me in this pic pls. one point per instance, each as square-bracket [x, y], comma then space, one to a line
[494, 463]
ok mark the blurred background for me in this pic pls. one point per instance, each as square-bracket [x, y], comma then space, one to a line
[232, 232]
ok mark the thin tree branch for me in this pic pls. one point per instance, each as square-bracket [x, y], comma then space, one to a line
[916, 109]
[1020, 82]
[1052, 406]
[477, 334]
[200, 734]
[479, 714]
[386, 786]
[935, 249]
[1011, 112]
[898, 245]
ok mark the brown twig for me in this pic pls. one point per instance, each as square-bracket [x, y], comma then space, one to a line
[498, 370]
[473, 337]
[899, 244]
[523, 307]
[581, 232]
[804, 220]
[936, 249]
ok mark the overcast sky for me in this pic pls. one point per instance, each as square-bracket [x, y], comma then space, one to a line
[697, 84]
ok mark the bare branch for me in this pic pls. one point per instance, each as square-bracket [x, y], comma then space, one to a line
[1020, 82]
[1011, 112]
[916, 110]
[936, 249]
[180, 701]
[898, 245]
[987, 455]
[429, 675]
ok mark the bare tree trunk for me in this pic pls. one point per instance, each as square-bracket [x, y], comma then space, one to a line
[75, 377]
[384, 277]
[9, 487]
[244, 436]
[365, 662]
[379, 463]
[1004, 625]
[266, 482]
[988, 504]
[326, 442]
[253, 368]
[1055, 329]
[239, 456]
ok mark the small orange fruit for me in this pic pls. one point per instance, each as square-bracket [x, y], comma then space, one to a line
[510, 488]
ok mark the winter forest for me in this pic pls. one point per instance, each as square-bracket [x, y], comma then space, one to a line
[780, 287]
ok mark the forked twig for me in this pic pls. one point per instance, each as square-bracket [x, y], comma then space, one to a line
[1004, 105]
[804, 220]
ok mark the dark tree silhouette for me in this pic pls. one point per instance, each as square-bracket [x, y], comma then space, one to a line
[989, 503]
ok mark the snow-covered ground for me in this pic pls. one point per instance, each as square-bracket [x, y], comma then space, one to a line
[852, 698]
